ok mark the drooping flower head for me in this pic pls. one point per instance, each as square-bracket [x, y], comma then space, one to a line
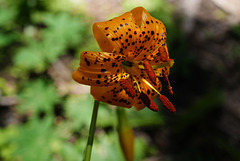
[134, 55]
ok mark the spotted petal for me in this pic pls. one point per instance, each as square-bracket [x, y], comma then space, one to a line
[114, 95]
[99, 69]
[120, 34]
[153, 32]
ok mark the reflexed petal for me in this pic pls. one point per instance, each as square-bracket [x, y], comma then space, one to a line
[155, 57]
[114, 95]
[153, 32]
[120, 34]
[160, 70]
[99, 69]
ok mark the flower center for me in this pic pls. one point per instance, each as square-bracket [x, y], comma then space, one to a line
[131, 68]
[127, 64]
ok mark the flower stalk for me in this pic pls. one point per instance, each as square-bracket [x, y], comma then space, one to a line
[88, 149]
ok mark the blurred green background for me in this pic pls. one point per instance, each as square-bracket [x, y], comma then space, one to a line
[45, 115]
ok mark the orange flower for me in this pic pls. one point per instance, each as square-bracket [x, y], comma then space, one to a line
[134, 53]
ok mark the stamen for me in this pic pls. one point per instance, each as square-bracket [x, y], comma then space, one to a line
[148, 102]
[144, 80]
[127, 87]
[150, 72]
[165, 78]
[165, 101]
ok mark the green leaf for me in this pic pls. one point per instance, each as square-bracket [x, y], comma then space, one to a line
[30, 57]
[7, 16]
[6, 146]
[79, 110]
[35, 140]
[62, 32]
[38, 96]
[7, 38]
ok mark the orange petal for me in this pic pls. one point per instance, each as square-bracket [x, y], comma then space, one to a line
[99, 69]
[158, 56]
[120, 34]
[114, 95]
[153, 32]
[159, 71]
[163, 53]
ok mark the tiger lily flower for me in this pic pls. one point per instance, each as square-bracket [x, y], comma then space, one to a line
[134, 55]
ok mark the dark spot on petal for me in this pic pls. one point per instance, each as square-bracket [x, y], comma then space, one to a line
[98, 82]
[88, 63]
[103, 70]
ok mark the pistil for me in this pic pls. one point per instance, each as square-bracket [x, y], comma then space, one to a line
[169, 87]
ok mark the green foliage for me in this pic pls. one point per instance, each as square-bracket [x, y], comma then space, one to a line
[6, 146]
[48, 126]
[38, 96]
[44, 46]
[236, 30]
[77, 105]
[37, 137]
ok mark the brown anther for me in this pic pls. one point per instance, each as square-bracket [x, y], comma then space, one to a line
[165, 101]
[127, 87]
[148, 102]
[169, 87]
[150, 72]
[163, 54]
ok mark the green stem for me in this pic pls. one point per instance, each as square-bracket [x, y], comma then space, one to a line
[88, 149]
